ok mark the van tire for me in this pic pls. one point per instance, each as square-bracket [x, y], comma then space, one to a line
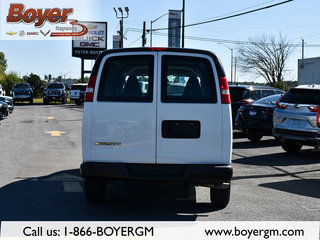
[254, 137]
[95, 189]
[291, 147]
[220, 197]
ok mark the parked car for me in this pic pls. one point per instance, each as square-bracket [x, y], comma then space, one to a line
[294, 119]
[4, 110]
[77, 92]
[256, 119]
[9, 101]
[22, 92]
[247, 94]
[55, 92]
[157, 136]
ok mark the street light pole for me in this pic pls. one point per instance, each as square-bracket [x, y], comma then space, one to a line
[151, 26]
[121, 22]
[231, 74]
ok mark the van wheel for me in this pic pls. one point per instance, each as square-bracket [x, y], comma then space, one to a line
[220, 197]
[291, 147]
[254, 138]
[95, 189]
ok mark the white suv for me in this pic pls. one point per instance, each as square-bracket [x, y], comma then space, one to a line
[136, 133]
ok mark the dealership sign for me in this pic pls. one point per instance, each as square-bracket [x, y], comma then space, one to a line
[174, 28]
[38, 21]
[92, 43]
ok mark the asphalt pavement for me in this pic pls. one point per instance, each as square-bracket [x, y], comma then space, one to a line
[40, 155]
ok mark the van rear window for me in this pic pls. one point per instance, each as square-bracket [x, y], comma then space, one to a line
[127, 79]
[187, 79]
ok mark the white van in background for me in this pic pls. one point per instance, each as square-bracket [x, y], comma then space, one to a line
[2, 91]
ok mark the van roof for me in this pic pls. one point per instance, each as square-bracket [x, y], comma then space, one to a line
[216, 60]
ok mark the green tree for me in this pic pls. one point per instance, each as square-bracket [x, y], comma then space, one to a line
[3, 63]
[85, 80]
[8, 80]
[36, 83]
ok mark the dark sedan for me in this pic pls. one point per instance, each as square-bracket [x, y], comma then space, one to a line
[9, 101]
[256, 119]
[4, 110]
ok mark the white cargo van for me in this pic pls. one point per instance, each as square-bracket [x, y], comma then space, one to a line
[178, 129]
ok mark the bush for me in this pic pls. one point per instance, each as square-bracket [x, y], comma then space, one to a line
[8, 80]
[281, 85]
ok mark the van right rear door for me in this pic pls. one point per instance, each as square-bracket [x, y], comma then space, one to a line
[190, 116]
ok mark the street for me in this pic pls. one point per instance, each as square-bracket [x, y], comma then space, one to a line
[40, 153]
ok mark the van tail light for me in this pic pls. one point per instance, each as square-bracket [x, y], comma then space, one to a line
[318, 116]
[224, 88]
[313, 108]
[281, 105]
[90, 89]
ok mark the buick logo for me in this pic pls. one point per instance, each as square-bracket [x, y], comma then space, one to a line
[22, 33]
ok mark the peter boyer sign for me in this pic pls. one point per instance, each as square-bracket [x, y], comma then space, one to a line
[27, 21]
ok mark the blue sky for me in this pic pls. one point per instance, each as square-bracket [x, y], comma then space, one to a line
[295, 20]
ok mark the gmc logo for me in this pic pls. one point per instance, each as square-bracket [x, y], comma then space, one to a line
[89, 44]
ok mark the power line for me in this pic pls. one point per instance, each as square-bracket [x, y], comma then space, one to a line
[228, 17]
[215, 40]
[243, 9]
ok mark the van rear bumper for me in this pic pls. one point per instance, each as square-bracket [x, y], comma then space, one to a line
[198, 173]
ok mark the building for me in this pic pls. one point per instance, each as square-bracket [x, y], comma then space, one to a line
[309, 71]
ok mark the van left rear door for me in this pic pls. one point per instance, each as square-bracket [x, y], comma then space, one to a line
[123, 120]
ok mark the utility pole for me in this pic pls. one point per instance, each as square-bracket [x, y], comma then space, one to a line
[144, 34]
[302, 48]
[121, 22]
[183, 13]
[121, 33]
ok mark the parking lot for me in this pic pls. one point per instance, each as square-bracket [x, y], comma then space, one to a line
[39, 178]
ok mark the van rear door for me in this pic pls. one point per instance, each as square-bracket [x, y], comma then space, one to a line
[123, 124]
[189, 117]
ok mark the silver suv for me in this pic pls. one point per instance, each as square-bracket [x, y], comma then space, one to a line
[294, 120]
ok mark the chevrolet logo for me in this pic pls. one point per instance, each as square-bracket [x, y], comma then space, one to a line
[11, 33]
